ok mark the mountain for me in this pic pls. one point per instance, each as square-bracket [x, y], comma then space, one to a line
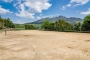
[71, 20]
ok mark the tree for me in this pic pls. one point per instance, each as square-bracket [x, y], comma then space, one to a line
[77, 26]
[1, 23]
[86, 23]
[62, 25]
[8, 23]
[45, 25]
[51, 26]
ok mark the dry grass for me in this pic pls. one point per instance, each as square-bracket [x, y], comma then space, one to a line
[44, 45]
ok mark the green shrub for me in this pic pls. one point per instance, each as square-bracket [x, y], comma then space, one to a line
[29, 27]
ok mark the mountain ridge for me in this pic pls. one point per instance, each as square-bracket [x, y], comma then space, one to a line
[71, 20]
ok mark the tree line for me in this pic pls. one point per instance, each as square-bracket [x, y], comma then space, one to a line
[62, 25]
[7, 23]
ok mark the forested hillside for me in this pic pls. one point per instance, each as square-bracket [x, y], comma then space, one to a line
[71, 20]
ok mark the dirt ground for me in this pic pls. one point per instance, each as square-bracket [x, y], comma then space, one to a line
[44, 45]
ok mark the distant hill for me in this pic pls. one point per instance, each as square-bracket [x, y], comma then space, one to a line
[71, 20]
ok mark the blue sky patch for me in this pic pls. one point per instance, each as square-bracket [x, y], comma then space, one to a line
[22, 11]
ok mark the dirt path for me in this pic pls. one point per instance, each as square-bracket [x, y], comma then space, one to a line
[44, 45]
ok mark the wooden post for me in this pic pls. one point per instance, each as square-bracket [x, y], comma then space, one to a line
[5, 31]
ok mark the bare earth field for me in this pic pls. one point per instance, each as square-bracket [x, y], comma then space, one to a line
[44, 45]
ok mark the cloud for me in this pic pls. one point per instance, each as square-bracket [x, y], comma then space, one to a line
[4, 11]
[28, 8]
[20, 22]
[74, 3]
[89, 9]
[38, 17]
[77, 2]
[63, 7]
[7, 0]
[24, 13]
[69, 5]
[47, 16]
[86, 12]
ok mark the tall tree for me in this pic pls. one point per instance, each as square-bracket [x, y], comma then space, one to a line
[8, 23]
[45, 25]
[77, 26]
[86, 23]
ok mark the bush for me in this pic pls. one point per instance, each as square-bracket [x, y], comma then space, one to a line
[29, 27]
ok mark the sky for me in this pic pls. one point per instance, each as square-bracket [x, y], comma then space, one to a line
[24, 11]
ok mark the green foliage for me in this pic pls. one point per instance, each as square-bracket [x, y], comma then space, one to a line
[71, 20]
[45, 25]
[86, 23]
[19, 27]
[22, 26]
[8, 23]
[1, 23]
[38, 26]
[77, 26]
[51, 26]
[62, 25]
[29, 27]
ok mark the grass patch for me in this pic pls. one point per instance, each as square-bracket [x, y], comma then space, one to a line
[22, 26]
[19, 27]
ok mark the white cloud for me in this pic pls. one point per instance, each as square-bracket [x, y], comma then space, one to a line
[38, 17]
[74, 3]
[69, 5]
[89, 9]
[63, 7]
[7, 0]
[77, 2]
[24, 13]
[4, 11]
[48, 16]
[28, 8]
[86, 12]
[20, 22]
